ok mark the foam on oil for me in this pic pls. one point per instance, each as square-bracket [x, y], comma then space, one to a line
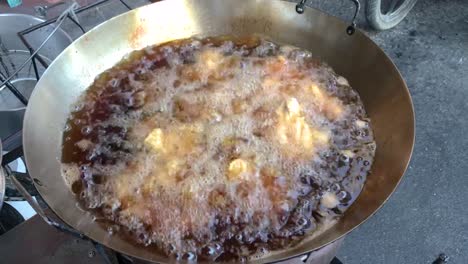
[219, 148]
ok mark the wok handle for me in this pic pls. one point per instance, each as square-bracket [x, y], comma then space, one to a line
[352, 28]
[300, 8]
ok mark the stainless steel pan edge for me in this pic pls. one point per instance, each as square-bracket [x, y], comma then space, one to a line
[2, 178]
[356, 57]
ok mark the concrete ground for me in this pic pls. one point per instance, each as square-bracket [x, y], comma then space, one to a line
[428, 213]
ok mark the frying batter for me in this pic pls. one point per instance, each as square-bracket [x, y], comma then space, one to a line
[218, 148]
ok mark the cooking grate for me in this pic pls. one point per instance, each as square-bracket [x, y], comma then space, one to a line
[35, 58]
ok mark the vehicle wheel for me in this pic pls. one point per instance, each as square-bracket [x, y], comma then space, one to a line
[385, 14]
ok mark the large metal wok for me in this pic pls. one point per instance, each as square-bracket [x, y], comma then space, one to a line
[356, 57]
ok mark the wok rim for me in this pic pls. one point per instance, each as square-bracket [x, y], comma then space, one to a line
[283, 254]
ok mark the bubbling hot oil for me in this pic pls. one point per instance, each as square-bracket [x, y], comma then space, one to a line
[218, 148]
